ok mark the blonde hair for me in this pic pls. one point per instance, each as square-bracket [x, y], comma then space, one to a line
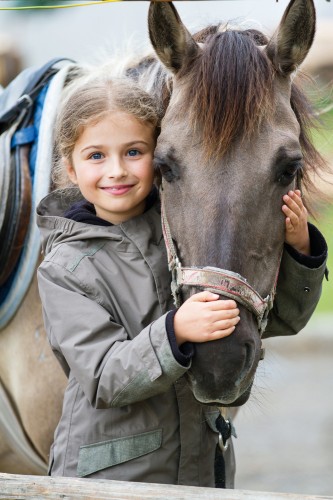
[87, 100]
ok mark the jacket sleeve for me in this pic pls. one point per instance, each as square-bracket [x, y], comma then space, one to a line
[298, 288]
[111, 369]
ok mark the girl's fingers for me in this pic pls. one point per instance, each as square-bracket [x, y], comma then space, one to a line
[203, 297]
[219, 334]
[222, 305]
[225, 324]
[293, 218]
[226, 314]
[297, 198]
[293, 204]
[288, 223]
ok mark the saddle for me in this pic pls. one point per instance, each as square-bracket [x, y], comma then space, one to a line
[27, 109]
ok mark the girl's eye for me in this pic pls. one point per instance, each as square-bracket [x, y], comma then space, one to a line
[133, 152]
[96, 156]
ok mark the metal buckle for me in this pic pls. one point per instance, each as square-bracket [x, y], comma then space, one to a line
[223, 447]
[25, 101]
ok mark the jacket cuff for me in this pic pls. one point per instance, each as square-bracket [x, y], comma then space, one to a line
[183, 353]
[318, 247]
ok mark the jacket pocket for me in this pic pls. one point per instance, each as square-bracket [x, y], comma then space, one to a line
[98, 456]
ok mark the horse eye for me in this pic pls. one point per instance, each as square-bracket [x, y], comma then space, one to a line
[289, 173]
[168, 173]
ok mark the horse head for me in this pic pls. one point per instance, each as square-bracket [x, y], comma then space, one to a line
[232, 143]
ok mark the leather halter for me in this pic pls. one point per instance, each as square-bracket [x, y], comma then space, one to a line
[221, 281]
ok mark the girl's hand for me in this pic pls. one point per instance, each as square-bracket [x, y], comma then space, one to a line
[203, 317]
[297, 233]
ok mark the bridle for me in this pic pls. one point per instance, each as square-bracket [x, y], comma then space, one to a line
[221, 281]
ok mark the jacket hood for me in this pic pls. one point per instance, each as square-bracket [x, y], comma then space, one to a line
[56, 229]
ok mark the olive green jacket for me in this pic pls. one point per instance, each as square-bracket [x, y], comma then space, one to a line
[128, 413]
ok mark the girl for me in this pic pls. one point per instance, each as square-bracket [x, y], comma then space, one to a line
[105, 290]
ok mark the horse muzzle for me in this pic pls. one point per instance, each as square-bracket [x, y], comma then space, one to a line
[223, 370]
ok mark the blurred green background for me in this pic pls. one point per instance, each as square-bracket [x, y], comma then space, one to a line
[323, 139]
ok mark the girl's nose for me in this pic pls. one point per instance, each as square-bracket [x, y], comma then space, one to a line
[116, 168]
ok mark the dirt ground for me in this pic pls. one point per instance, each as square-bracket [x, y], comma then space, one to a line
[285, 431]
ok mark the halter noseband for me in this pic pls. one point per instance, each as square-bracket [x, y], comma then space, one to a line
[221, 281]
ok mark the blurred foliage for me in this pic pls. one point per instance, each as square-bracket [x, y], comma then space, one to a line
[323, 139]
[325, 225]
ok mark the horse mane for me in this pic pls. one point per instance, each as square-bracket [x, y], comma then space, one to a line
[229, 90]
[229, 87]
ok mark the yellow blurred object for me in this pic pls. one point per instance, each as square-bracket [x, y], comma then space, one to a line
[35, 7]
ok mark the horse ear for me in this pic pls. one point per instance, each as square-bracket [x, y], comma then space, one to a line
[291, 42]
[171, 40]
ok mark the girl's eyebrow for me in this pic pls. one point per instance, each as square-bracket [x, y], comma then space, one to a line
[127, 144]
[92, 146]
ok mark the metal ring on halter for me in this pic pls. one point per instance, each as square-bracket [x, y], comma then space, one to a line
[223, 446]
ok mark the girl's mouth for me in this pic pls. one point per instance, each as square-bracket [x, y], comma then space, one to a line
[118, 190]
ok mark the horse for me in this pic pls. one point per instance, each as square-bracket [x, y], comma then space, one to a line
[234, 132]
[233, 138]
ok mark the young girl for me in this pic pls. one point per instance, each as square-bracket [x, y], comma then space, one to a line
[105, 290]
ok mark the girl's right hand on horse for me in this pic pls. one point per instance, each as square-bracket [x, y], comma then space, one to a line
[203, 317]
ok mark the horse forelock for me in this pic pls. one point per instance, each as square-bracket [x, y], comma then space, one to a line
[227, 88]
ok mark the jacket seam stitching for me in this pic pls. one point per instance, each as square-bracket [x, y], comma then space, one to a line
[85, 287]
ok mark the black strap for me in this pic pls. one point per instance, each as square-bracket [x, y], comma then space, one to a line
[225, 429]
[219, 468]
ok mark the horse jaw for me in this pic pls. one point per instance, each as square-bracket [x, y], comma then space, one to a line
[222, 371]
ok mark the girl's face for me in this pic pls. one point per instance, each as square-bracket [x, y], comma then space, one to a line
[112, 164]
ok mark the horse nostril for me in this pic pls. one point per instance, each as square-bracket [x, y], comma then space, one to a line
[248, 362]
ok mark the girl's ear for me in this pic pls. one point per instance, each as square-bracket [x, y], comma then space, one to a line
[70, 171]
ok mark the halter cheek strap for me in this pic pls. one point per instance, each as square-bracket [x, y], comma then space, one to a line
[225, 283]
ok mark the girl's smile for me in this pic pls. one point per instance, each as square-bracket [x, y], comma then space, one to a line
[118, 190]
[112, 165]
